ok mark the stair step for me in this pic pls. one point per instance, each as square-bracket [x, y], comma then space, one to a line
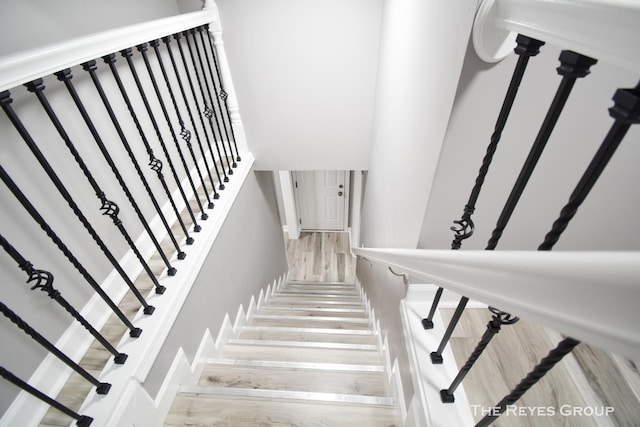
[353, 336]
[291, 379]
[319, 291]
[313, 311]
[309, 344]
[291, 301]
[208, 409]
[355, 298]
[326, 322]
[322, 287]
[300, 354]
[296, 365]
[316, 283]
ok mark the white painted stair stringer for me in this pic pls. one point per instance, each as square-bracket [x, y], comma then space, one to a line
[137, 408]
[393, 371]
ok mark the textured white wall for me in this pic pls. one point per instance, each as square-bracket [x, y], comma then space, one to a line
[417, 79]
[606, 221]
[304, 73]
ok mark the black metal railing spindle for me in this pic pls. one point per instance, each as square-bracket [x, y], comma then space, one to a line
[157, 165]
[142, 48]
[206, 111]
[33, 212]
[101, 388]
[222, 93]
[81, 420]
[185, 134]
[43, 280]
[210, 109]
[91, 68]
[572, 66]
[167, 41]
[625, 112]
[562, 349]
[108, 207]
[154, 163]
[464, 227]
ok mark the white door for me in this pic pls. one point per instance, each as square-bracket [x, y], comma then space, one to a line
[320, 199]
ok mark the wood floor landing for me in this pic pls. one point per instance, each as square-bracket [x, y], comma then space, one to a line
[515, 350]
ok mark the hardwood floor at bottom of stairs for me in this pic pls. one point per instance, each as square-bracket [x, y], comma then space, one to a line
[207, 410]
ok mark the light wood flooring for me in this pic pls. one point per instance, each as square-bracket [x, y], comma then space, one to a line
[587, 378]
[320, 257]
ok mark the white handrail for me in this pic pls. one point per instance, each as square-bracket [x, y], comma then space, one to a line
[607, 30]
[26, 66]
[591, 296]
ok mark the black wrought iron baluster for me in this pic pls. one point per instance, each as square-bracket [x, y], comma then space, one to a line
[222, 94]
[43, 280]
[101, 388]
[206, 110]
[167, 41]
[91, 67]
[142, 48]
[185, 134]
[493, 327]
[210, 112]
[214, 95]
[154, 163]
[463, 228]
[625, 112]
[24, 201]
[562, 349]
[108, 207]
[157, 164]
[572, 66]
[81, 420]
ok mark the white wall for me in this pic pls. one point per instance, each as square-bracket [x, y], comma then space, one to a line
[239, 264]
[606, 221]
[417, 80]
[26, 24]
[304, 73]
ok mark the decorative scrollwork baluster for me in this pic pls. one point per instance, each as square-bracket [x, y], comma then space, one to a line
[186, 134]
[178, 37]
[43, 280]
[142, 48]
[110, 60]
[37, 87]
[219, 90]
[463, 228]
[208, 111]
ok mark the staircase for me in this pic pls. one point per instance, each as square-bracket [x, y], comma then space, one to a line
[309, 355]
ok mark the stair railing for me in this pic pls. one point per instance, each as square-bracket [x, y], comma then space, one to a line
[546, 293]
[158, 59]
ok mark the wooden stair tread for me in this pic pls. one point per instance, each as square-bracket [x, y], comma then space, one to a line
[212, 410]
[323, 381]
[293, 354]
[290, 334]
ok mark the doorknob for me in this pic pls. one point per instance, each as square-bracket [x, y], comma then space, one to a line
[340, 186]
[339, 193]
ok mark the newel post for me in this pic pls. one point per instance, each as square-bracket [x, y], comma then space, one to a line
[215, 28]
